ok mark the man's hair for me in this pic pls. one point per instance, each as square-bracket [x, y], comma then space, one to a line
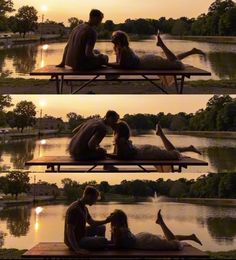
[96, 13]
[90, 190]
[113, 115]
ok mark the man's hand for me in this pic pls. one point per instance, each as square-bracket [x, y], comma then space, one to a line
[109, 218]
[82, 252]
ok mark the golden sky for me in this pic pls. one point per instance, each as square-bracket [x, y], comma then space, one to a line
[119, 10]
[87, 105]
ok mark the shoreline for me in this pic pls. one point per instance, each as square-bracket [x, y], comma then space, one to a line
[209, 39]
[204, 134]
[44, 86]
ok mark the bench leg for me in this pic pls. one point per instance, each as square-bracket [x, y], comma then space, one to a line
[57, 84]
[85, 84]
[182, 84]
[154, 83]
[61, 84]
[141, 167]
[179, 86]
[92, 168]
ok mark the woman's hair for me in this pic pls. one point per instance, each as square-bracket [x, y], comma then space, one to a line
[121, 38]
[119, 219]
[122, 130]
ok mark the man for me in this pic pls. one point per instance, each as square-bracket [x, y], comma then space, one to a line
[79, 237]
[79, 52]
[87, 137]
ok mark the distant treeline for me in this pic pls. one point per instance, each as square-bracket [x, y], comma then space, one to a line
[219, 115]
[219, 20]
[221, 185]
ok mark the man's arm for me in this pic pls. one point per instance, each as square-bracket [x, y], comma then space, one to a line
[96, 140]
[63, 62]
[73, 242]
[93, 222]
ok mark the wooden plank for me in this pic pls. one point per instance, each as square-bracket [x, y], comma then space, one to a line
[68, 161]
[52, 70]
[59, 250]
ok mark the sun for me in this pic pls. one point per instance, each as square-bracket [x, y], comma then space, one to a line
[44, 8]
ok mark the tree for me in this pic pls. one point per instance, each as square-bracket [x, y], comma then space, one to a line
[6, 6]
[71, 189]
[104, 186]
[74, 120]
[73, 21]
[227, 23]
[219, 7]
[109, 25]
[24, 114]
[5, 102]
[27, 19]
[16, 182]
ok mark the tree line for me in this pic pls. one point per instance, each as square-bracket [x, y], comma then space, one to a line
[219, 115]
[221, 185]
[219, 20]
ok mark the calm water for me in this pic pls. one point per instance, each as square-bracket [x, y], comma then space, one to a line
[216, 226]
[219, 153]
[220, 60]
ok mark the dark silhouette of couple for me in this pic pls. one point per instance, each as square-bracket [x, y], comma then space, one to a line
[79, 53]
[82, 238]
[87, 137]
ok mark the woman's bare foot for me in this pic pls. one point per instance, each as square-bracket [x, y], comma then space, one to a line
[159, 218]
[194, 150]
[159, 40]
[159, 130]
[196, 239]
[198, 51]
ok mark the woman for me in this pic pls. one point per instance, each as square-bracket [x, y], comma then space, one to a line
[123, 238]
[124, 148]
[126, 58]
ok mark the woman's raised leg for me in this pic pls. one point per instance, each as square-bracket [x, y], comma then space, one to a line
[194, 51]
[168, 145]
[170, 235]
[169, 54]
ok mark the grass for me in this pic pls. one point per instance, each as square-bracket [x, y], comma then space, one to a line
[214, 83]
[223, 255]
[11, 253]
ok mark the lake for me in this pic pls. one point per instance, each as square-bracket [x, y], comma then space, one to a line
[19, 61]
[219, 153]
[215, 226]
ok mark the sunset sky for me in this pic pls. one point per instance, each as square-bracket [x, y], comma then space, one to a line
[88, 105]
[119, 10]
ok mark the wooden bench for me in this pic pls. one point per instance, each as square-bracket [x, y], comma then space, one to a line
[60, 251]
[61, 75]
[55, 164]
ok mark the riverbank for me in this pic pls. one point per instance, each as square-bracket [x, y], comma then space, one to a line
[43, 86]
[207, 134]
[208, 201]
[16, 254]
[210, 39]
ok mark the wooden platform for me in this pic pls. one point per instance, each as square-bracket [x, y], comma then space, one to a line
[61, 75]
[60, 251]
[57, 163]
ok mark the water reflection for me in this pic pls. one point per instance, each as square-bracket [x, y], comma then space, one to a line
[25, 226]
[223, 64]
[220, 153]
[17, 220]
[21, 60]
[16, 153]
[222, 228]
